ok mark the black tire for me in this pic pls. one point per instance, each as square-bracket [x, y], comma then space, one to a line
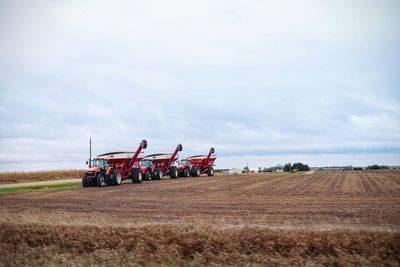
[173, 172]
[186, 173]
[116, 178]
[147, 176]
[86, 182]
[154, 175]
[195, 171]
[210, 171]
[158, 175]
[100, 180]
[136, 176]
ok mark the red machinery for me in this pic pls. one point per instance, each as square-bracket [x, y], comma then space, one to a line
[112, 168]
[158, 165]
[202, 164]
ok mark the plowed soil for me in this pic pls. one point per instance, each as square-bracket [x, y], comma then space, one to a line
[322, 200]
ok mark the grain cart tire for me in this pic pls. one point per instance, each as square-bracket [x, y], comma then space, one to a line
[86, 182]
[147, 176]
[173, 172]
[116, 178]
[195, 171]
[210, 172]
[186, 173]
[136, 176]
[100, 180]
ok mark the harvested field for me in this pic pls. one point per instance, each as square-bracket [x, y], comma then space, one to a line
[18, 177]
[321, 218]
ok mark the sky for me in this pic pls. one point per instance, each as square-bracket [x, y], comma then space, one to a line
[264, 82]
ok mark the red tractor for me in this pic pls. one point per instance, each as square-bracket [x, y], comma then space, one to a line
[183, 166]
[112, 168]
[155, 166]
[202, 164]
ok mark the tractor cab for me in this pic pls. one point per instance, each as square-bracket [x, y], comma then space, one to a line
[146, 163]
[182, 163]
[102, 163]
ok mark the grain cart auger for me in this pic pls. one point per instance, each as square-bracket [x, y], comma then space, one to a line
[202, 164]
[111, 168]
[161, 164]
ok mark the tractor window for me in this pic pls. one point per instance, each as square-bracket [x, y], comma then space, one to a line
[147, 163]
[100, 163]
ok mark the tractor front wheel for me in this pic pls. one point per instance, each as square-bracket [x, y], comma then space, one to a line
[158, 174]
[86, 182]
[100, 180]
[210, 172]
[148, 176]
[173, 172]
[186, 173]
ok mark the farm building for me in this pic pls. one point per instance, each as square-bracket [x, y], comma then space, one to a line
[235, 171]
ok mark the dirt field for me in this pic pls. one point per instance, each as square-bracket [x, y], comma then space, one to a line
[318, 218]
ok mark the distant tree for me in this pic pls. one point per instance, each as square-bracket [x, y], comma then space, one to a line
[300, 167]
[246, 169]
[373, 167]
[287, 167]
[357, 168]
[376, 167]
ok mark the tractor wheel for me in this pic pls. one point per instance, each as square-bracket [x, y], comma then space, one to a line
[196, 171]
[173, 172]
[158, 174]
[147, 176]
[100, 180]
[186, 173]
[86, 182]
[210, 172]
[116, 178]
[136, 176]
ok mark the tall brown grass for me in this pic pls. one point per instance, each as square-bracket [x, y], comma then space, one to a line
[16, 177]
[191, 245]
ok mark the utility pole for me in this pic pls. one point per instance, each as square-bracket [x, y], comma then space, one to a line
[90, 152]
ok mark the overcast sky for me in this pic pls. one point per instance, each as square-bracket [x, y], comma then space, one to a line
[264, 82]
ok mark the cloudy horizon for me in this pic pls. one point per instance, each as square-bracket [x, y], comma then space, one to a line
[264, 82]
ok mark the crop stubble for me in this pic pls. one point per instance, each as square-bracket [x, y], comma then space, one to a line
[335, 207]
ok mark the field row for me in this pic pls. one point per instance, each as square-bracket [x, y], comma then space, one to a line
[360, 200]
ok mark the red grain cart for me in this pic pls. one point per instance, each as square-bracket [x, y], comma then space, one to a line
[202, 164]
[158, 165]
[112, 168]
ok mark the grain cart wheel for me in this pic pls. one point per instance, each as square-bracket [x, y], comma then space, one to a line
[116, 178]
[196, 171]
[100, 180]
[136, 176]
[186, 173]
[210, 172]
[147, 176]
[86, 182]
[173, 172]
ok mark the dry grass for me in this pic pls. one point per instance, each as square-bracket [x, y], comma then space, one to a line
[180, 245]
[17, 177]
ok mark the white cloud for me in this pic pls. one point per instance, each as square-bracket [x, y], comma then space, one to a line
[250, 78]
